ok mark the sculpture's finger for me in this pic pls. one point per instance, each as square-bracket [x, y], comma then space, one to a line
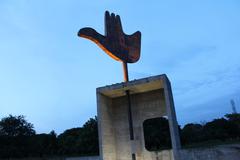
[119, 24]
[112, 17]
[134, 41]
[112, 25]
[107, 23]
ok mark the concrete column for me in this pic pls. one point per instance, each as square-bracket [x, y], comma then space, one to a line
[172, 120]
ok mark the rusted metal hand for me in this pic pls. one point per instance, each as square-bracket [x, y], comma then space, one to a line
[115, 42]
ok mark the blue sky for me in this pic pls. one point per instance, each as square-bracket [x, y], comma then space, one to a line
[50, 75]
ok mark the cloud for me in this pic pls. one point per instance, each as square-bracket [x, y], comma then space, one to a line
[197, 91]
[171, 56]
[206, 111]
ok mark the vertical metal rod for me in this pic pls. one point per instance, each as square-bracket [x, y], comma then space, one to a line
[125, 72]
[130, 121]
[133, 156]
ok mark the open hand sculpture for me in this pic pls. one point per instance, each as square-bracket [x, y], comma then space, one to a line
[115, 42]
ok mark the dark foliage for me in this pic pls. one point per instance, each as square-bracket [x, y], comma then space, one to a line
[80, 141]
[18, 138]
[218, 130]
[192, 133]
[15, 126]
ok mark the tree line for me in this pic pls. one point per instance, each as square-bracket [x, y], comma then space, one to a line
[218, 131]
[18, 138]
[221, 130]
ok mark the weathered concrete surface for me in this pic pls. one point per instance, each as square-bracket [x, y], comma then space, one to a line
[83, 158]
[150, 98]
[221, 152]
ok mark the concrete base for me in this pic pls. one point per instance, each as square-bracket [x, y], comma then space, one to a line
[150, 98]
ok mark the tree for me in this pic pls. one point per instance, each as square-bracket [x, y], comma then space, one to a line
[16, 126]
[218, 129]
[234, 122]
[80, 141]
[41, 145]
[68, 141]
[192, 133]
[234, 117]
[89, 135]
[14, 133]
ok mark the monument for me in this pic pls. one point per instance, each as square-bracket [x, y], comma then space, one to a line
[122, 108]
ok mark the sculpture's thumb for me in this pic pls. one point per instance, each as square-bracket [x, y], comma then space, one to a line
[91, 34]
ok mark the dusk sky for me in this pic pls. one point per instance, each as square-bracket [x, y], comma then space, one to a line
[50, 75]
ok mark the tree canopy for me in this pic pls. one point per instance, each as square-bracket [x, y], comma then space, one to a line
[16, 126]
[80, 141]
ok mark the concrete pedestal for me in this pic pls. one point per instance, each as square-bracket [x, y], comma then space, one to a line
[150, 98]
